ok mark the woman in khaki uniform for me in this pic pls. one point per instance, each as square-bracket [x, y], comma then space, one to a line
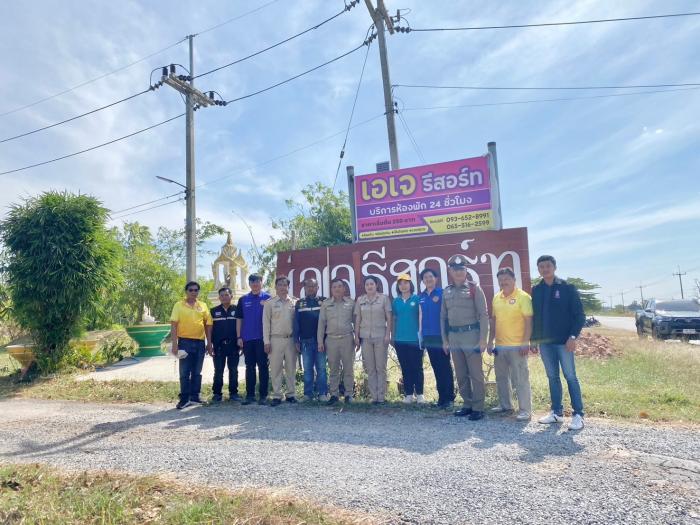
[373, 333]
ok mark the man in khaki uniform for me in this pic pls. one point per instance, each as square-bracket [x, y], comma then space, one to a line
[278, 327]
[464, 321]
[335, 336]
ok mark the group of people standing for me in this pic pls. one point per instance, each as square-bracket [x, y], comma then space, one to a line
[452, 325]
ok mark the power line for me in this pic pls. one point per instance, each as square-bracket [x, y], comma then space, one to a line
[316, 26]
[131, 64]
[77, 116]
[352, 113]
[546, 24]
[533, 101]
[416, 147]
[547, 88]
[91, 148]
[147, 203]
[365, 43]
[148, 209]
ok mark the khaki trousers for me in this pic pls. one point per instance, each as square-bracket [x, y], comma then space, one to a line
[283, 358]
[511, 369]
[470, 377]
[341, 353]
[374, 357]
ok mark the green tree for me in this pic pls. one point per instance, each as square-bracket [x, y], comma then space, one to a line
[61, 262]
[171, 243]
[322, 219]
[591, 303]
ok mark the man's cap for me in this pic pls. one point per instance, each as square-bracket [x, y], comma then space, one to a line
[404, 277]
[254, 277]
[457, 262]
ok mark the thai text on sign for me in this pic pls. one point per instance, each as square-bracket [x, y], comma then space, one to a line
[448, 197]
[485, 252]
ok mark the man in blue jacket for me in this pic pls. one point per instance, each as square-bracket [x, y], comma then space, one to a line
[557, 322]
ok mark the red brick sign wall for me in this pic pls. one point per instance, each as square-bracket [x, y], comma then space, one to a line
[485, 251]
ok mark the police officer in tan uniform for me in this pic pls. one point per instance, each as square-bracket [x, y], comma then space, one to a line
[464, 321]
[278, 319]
[335, 336]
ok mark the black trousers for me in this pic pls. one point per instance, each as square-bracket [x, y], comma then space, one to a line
[442, 368]
[226, 354]
[255, 356]
[411, 360]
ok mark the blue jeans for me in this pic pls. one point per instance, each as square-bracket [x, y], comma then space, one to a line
[191, 368]
[553, 356]
[314, 361]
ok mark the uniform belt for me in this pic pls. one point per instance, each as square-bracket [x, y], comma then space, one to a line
[464, 328]
[339, 336]
[281, 336]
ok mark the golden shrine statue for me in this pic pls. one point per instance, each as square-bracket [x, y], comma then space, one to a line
[230, 270]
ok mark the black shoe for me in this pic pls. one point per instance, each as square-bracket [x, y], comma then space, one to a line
[291, 399]
[216, 398]
[476, 416]
[275, 402]
[248, 401]
[196, 401]
[235, 397]
[463, 412]
[262, 401]
[332, 401]
[376, 403]
[182, 404]
[348, 399]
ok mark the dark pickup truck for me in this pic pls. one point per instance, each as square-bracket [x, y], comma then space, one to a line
[670, 319]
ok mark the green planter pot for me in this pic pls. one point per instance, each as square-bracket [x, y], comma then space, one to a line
[148, 337]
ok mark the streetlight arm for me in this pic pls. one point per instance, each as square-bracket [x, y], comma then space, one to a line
[171, 181]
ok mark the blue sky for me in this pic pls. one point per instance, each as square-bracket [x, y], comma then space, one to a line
[608, 185]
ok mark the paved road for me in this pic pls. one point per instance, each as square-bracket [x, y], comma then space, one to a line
[619, 323]
[410, 466]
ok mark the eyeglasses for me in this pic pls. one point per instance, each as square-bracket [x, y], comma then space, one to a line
[193, 289]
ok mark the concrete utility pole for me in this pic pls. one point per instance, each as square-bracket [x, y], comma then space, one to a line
[680, 280]
[622, 294]
[191, 213]
[641, 294]
[380, 17]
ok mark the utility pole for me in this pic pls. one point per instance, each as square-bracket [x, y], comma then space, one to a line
[380, 17]
[680, 280]
[641, 294]
[193, 100]
[623, 300]
[611, 302]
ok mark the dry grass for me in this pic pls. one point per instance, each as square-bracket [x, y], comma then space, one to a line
[35, 494]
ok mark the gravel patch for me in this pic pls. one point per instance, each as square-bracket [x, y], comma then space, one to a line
[412, 466]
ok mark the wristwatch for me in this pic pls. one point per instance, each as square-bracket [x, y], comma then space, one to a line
[572, 337]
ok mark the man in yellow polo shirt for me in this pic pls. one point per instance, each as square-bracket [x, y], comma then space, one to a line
[511, 328]
[190, 325]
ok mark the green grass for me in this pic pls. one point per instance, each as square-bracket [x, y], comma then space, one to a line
[34, 494]
[645, 380]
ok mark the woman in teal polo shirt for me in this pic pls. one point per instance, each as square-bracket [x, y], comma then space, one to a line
[406, 310]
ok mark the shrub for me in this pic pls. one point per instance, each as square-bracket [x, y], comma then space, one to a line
[61, 261]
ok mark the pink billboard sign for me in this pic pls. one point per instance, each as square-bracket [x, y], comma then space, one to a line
[448, 197]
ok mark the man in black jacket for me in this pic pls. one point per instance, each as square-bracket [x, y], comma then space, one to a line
[225, 350]
[557, 322]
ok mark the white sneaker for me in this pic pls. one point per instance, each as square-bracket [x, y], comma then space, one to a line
[408, 400]
[550, 418]
[576, 422]
[420, 399]
[523, 416]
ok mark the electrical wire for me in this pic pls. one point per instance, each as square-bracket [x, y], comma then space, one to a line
[366, 42]
[148, 209]
[550, 24]
[131, 64]
[544, 88]
[76, 117]
[352, 113]
[412, 139]
[533, 101]
[91, 148]
[147, 203]
[299, 75]
[238, 61]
